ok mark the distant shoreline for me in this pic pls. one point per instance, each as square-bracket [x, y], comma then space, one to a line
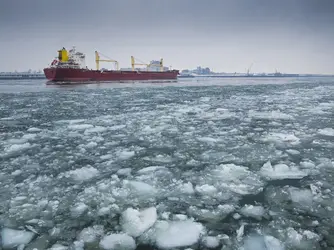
[35, 76]
[253, 76]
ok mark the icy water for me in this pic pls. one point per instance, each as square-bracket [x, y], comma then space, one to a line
[194, 164]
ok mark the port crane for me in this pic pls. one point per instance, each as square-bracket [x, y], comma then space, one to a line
[98, 60]
[133, 63]
[248, 70]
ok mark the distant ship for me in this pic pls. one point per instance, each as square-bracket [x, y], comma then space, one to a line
[70, 67]
[21, 75]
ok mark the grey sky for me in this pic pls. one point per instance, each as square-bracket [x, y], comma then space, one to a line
[226, 35]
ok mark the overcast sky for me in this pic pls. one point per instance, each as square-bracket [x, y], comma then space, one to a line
[295, 36]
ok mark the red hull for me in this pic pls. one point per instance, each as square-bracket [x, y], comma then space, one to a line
[75, 75]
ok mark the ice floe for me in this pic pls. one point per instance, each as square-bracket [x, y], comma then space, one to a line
[12, 238]
[326, 132]
[281, 171]
[135, 222]
[169, 235]
[118, 241]
[256, 212]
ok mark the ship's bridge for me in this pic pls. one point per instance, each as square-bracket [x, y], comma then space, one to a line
[77, 57]
[155, 66]
[70, 59]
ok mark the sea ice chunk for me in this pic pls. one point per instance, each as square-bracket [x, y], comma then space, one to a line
[186, 188]
[17, 148]
[273, 115]
[13, 238]
[135, 222]
[91, 145]
[90, 234]
[210, 242]
[259, 242]
[58, 247]
[124, 171]
[281, 171]
[150, 169]
[17, 172]
[280, 137]
[78, 210]
[237, 179]
[272, 243]
[34, 130]
[118, 241]
[307, 164]
[96, 129]
[326, 132]
[208, 140]
[179, 234]
[80, 126]
[83, 174]
[124, 155]
[293, 152]
[206, 189]
[303, 197]
[256, 212]
[140, 188]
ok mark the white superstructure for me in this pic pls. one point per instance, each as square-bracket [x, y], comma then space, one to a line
[69, 59]
[77, 57]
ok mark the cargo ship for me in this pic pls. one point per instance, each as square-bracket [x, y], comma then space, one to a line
[70, 66]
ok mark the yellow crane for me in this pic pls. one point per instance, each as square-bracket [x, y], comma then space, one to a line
[133, 63]
[98, 60]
